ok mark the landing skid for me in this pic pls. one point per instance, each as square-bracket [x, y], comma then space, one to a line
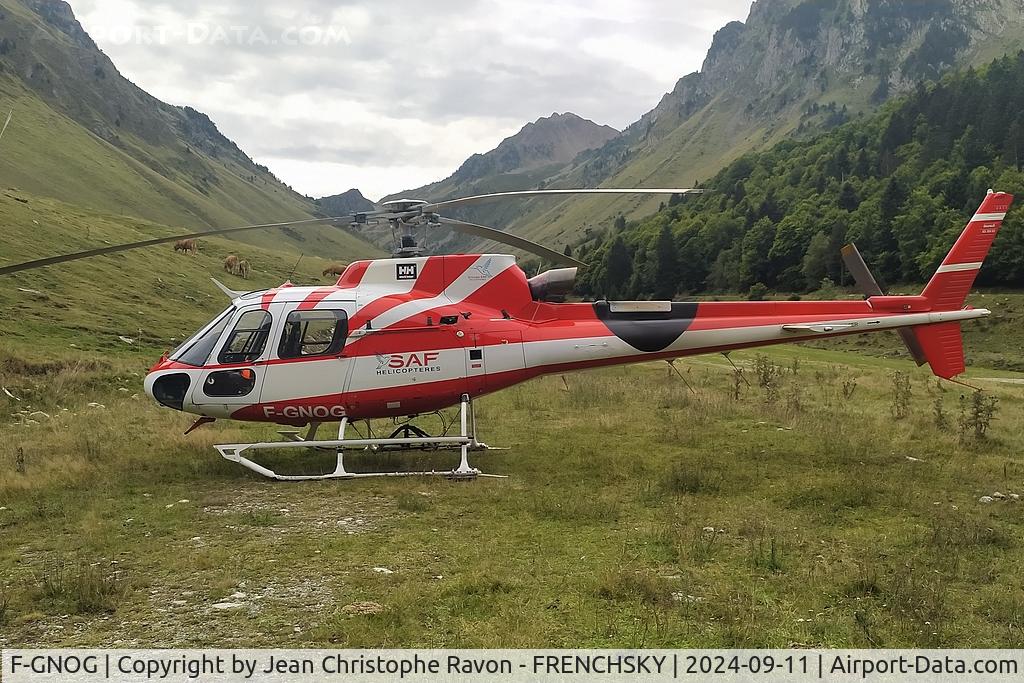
[406, 437]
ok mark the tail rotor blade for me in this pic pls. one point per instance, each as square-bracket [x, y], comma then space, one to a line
[869, 287]
[913, 345]
[513, 241]
[866, 282]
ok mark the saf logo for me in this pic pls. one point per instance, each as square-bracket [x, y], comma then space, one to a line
[406, 271]
[405, 363]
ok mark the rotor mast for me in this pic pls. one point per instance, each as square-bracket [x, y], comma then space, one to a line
[406, 245]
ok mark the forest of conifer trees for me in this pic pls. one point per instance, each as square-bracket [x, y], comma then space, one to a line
[900, 184]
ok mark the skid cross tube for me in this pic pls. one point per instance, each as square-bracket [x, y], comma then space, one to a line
[465, 442]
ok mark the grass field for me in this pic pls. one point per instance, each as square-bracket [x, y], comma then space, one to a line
[638, 512]
[671, 517]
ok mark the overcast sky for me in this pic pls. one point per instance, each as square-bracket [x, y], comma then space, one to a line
[388, 95]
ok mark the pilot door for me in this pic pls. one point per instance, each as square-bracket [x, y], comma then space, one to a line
[234, 374]
[308, 372]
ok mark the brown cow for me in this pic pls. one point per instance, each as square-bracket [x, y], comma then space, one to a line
[190, 247]
[335, 269]
[231, 264]
[244, 269]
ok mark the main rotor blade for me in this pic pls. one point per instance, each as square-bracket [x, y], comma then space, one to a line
[476, 199]
[869, 287]
[513, 241]
[103, 251]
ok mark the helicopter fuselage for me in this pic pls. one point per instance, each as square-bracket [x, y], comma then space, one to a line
[411, 336]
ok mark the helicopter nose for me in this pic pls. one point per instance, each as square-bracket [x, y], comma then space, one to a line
[168, 389]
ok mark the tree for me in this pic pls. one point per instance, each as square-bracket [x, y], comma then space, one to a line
[849, 200]
[666, 271]
[892, 198]
[1013, 143]
[618, 266]
[815, 264]
[620, 222]
[862, 167]
[754, 264]
[725, 271]
[568, 250]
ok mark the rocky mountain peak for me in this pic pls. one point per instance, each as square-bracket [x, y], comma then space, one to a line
[792, 50]
[555, 139]
[351, 201]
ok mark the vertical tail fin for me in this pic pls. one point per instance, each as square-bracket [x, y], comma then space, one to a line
[942, 343]
[949, 287]
[943, 347]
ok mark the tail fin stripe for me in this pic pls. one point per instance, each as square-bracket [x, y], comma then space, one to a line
[988, 217]
[954, 267]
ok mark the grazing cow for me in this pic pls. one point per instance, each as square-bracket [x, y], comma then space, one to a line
[335, 269]
[231, 264]
[244, 269]
[190, 247]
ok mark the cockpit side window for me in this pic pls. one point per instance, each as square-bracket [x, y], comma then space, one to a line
[246, 342]
[313, 333]
[196, 349]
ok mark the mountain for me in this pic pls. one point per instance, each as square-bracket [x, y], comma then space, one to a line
[523, 161]
[901, 184]
[793, 69]
[537, 150]
[352, 201]
[84, 134]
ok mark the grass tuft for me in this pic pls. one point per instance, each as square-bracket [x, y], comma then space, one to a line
[82, 588]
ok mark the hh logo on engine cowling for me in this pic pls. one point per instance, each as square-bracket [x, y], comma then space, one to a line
[407, 363]
[406, 271]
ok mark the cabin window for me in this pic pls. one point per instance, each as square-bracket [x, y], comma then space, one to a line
[313, 333]
[196, 349]
[248, 339]
[230, 383]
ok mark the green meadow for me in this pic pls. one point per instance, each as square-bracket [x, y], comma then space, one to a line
[815, 497]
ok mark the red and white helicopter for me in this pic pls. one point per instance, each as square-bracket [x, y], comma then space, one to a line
[416, 334]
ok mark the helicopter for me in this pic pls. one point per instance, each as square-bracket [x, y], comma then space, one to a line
[415, 334]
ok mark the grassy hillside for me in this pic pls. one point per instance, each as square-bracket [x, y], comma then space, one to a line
[83, 134]
[151, 295]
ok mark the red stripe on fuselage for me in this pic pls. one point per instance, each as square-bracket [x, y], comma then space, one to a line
[431, 282]
[318, 295]
[353, 275]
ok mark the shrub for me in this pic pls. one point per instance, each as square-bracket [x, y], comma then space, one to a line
[757, 292]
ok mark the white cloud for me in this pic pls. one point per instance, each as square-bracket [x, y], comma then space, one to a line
[386, 96]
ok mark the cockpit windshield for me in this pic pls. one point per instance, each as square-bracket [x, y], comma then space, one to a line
[197, 348]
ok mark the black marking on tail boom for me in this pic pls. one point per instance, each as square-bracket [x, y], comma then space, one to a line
[647, 331]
